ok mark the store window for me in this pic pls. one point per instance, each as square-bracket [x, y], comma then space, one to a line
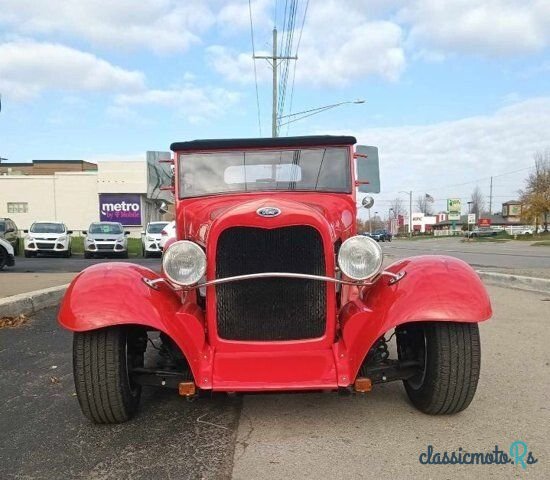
[18, 207]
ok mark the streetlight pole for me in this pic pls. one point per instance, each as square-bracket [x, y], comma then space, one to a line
[410, 194]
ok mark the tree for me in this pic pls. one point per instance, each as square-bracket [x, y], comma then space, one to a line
[477, 202]
[535, 198]
[424, 204]
[398, 207]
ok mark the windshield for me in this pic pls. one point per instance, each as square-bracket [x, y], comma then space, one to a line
[108, 228]
[156, 227]
[313, 169]
[47, 228]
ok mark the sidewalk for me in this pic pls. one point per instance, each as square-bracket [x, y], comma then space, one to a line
[13, 283]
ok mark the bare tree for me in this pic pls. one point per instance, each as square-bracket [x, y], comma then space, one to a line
[424, 204]
[477, 200]
[398, 207]
[535, 197]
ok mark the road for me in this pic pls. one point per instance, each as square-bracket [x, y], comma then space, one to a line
[310, 436]
[517, 257]
[30, 274]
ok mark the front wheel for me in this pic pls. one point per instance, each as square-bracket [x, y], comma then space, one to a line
[449, 354]
[102, 360]
[3, 257]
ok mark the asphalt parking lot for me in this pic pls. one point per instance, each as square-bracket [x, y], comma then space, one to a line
[30, 274]
[315, 435]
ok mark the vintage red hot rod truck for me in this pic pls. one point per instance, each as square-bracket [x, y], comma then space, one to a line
[268, 288]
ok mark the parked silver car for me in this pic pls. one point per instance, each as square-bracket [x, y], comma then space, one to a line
[105, 239]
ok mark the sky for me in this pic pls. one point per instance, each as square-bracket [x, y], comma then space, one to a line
[455, 92]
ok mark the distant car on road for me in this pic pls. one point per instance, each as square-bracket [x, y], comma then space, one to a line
[7, 256]
[482, 232]
[381, 235]
[48, 238]
[525, 231]
[151, 238]
[105, 238]
[167, 233]
[10, 233]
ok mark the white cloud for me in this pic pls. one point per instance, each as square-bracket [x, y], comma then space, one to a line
[196, 103]
[479, 27]
[157, 25]
[332, 52]
[28, 67]
[427, 158]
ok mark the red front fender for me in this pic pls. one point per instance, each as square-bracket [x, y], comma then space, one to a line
[110, 294]
[435, 288]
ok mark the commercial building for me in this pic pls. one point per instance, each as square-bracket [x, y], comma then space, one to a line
[78, 193]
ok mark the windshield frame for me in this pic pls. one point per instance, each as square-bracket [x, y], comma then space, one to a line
[181, 156]
[111, 224]
[156, 225]
[31, 230]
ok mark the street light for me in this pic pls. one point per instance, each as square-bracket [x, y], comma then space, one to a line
[315, 111]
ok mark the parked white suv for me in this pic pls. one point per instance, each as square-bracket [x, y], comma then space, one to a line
[167, 233]
[47, 237]
[151, 238]
[105, 238]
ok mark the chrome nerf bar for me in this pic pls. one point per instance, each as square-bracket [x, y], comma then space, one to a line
[395, 277]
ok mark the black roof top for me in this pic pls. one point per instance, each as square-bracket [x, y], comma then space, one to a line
[226, 143]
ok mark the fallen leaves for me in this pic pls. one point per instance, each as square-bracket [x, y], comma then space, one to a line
[13, 322]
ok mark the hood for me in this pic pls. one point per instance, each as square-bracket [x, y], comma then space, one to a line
[334, 213]
[46, 236]
[109, 237]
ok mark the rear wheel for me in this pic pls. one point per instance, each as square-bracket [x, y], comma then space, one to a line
[3, 257]
[449, 353]
[102, 360]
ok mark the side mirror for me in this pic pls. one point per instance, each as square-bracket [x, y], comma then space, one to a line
[142, 233]
[368, 169]
[367, 202]
[25, 231]
[84, 232]
[163, 207]
[69, 232]
[127, 232]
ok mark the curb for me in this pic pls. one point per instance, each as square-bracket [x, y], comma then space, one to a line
[31, 302]
[519, 282]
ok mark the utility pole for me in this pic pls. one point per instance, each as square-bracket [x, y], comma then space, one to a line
[491, 198]
[410, 194]
[274, 62]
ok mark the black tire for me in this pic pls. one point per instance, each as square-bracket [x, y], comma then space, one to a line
[28, 254]
[100, 368]
[87, 255]
[3, 257]
[451, 353]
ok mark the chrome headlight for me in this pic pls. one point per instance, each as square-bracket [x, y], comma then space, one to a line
[360, 257]
[184, 263]
[62, 239]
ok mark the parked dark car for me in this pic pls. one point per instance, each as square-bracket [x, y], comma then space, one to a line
[381, 236]
[10, 233]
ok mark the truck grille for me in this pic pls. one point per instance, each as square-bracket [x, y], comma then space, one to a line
[45, 246]
[273, 308]
[105, 246]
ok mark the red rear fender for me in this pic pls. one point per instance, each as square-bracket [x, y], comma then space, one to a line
[111, 294]
[435, 288]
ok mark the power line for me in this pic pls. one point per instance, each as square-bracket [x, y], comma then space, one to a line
[294, 70]
[255, 72]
